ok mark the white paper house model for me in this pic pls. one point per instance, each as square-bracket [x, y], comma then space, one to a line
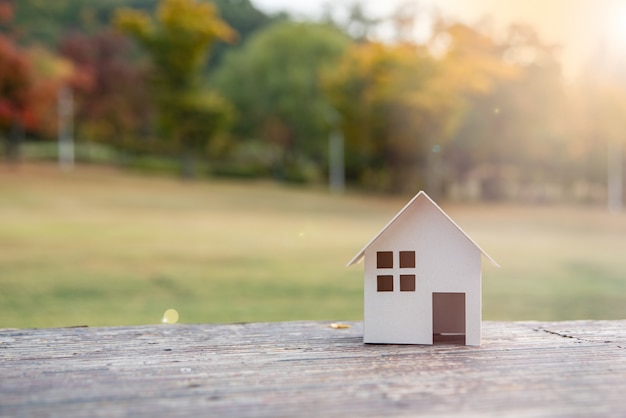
[422, 279]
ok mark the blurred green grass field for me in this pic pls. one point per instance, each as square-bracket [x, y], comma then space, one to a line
[99, 246]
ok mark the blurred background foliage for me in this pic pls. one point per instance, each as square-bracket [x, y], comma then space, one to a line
[222, 88]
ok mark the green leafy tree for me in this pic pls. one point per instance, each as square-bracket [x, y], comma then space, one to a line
[178, 40]
[47, 22]
[380, 92]
[274, 82]
[243, 17]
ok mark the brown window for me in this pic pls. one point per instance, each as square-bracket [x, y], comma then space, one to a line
[407, 282]
[385, 283]
[407, 259]
[384, 259]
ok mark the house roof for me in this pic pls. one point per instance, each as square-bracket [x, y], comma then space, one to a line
[420, 195]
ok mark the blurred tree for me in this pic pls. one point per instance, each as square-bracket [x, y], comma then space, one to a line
[376, 88]
[47, 22]
[352, 18]
[29, 82]
[404, 20]
[49, 73]
[198, 118]
[112, 100]
[518, 124]
[15, 85]
[599, 136]
[402, 103]
[360, 25]
[471, 61]
[244, 18]
[178, 40]
[274, 82]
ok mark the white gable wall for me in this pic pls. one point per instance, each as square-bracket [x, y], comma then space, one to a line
[446, 261]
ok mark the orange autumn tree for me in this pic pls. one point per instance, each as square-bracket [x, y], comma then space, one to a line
[517, 118]
[178, 39]
[471, 64]
[36, 113]
[49, 74]
[29, 84]
[373, 88]
[402, 103]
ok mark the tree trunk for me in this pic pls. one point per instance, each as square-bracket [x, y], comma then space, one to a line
[188, 165]
[13, 142]
[615, 183]
[433, 171]
[336, 170]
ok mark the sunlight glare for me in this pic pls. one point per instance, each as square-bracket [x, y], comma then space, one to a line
[170, 316]
[616, 27]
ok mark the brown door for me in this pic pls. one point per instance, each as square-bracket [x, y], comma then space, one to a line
[449, 317]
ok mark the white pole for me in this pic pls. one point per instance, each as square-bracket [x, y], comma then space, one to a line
[336, 168]
[615, 183]
[66, 125]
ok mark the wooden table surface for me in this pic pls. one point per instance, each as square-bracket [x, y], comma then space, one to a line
[293, 369]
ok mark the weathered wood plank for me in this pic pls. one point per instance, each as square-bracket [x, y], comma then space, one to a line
[573, 368]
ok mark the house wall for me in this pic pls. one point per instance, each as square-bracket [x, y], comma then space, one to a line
[446, 261]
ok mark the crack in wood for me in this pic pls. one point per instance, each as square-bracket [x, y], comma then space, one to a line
[564, 335]
[306, 369]
[561, 335]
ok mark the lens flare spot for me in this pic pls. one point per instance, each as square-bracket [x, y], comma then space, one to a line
[170, 316]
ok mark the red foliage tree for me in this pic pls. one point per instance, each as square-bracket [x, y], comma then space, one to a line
[29, 83]
[111, 94]
[15, 83]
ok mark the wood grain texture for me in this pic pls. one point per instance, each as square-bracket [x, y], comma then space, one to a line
[291, 369]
